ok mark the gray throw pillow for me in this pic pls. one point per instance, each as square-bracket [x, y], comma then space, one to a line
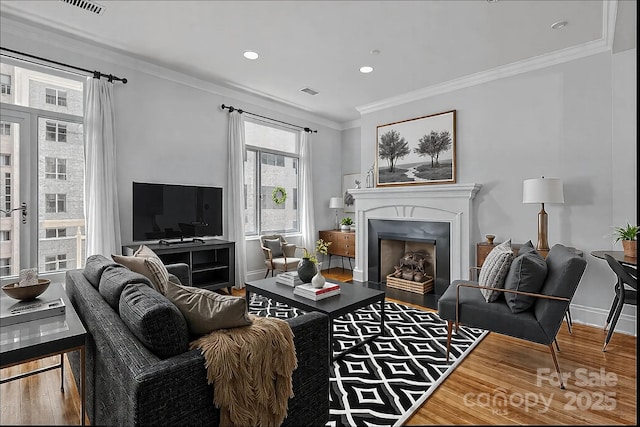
[154, 320]
[276, 247]
[494, 270]
[94, 267]
[527, 274]
[207, 311]
[527, 247]
[113, 281]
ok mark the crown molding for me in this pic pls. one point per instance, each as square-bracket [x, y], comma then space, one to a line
[515, 68]
[73, 41]
[605, 43]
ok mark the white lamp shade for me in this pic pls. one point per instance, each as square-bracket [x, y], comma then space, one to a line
[336, 203]
[542, 190]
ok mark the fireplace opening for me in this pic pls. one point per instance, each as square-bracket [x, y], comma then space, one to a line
[390, 240]
[408, 260]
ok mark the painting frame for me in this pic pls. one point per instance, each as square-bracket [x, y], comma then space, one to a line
[423, 140]
[349, 183]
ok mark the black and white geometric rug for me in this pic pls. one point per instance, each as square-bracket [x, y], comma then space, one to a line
[383, 382]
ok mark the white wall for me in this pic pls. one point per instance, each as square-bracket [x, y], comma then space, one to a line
[170, 128]
[575, 121]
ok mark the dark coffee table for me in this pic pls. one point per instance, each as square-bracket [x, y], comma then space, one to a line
[351, 297]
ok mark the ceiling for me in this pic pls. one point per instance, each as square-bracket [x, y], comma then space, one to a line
[322, 44]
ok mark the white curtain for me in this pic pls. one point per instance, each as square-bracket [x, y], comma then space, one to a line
[101, 195]
[235, 195]
[307, 218]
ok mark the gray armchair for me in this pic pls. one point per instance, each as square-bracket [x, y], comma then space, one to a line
[278, 254]
[463, 303]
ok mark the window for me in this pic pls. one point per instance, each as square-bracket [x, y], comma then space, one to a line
[5, 84]
[5, 235]
[56, 132]
[52, 233]
[56, 97]
[55, 262]
[56, 203]
[5, 128]
[7, 191]
[55, 168]
[5, 159]
[5, 266]
[272, 162]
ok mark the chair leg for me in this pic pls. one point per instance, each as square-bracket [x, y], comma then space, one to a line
[557, 346]
[267, 273]
[614, 304]
[567, 316]
[555, 362]
[614, 320]
[449, 330]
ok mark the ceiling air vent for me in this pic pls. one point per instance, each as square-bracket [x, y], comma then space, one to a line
[309, 91]
[86, 5]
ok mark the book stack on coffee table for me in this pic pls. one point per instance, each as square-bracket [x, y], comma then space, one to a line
[308, 291]
[289, 278]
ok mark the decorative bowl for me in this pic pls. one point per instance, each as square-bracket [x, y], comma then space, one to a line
[25, 293]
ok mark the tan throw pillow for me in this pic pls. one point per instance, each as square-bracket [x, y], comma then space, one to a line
[206, 311]
[494, 270]
[147, 263]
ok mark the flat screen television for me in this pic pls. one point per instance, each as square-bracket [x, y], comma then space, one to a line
[176, 212]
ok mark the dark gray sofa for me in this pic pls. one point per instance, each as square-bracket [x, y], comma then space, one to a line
[127, 384]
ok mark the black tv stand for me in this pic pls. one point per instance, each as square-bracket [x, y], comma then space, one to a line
[182, 240]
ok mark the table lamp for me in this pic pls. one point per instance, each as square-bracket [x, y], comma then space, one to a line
[542, 190]
[336, 203]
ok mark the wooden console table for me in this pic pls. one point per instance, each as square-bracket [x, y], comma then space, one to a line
[483, 249]
[343, 244]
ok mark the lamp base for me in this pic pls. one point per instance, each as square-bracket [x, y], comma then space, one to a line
[543, 244]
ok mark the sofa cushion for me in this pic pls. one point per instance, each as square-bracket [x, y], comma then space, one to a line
[147, 263]
[526, 274]
[113, 281]
[154, 320]
[94, 267]
[276, 247]
[206, 311]
[494, 270]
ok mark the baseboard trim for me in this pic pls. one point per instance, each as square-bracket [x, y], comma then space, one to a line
[597, 317]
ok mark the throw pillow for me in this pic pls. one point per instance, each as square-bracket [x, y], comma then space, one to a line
[206, 311]
[94, 267]
[494, 270]
[527, 247]
[527, 274]
[154, 320]
[147, 263]
[276, 247]
[113, 281]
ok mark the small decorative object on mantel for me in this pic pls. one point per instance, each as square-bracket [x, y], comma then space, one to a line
[628, 235]
[490, 238]
[410, 274]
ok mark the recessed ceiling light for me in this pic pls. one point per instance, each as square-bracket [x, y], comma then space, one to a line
[250, 54]
[375, 52]
[493, 1]
[559, 24]
[366, 69]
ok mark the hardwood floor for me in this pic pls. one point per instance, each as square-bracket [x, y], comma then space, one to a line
[503, 381]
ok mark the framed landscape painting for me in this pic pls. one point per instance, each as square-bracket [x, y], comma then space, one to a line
[417, 151]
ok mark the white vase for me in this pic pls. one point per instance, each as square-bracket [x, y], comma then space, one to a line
[318, 280]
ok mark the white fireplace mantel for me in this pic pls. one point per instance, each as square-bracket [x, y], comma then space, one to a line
[451, 203]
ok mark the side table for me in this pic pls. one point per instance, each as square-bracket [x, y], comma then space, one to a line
[36, 339]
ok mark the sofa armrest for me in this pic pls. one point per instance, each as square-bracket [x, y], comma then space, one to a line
[181, 271]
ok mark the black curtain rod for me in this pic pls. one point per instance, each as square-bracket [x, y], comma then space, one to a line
[96, 74]
[232, 108]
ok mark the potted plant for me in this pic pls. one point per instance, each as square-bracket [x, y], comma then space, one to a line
[628, 236]
[345, 224]
[308, 270]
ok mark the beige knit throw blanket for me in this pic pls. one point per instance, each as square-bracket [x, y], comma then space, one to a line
[251, 370]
